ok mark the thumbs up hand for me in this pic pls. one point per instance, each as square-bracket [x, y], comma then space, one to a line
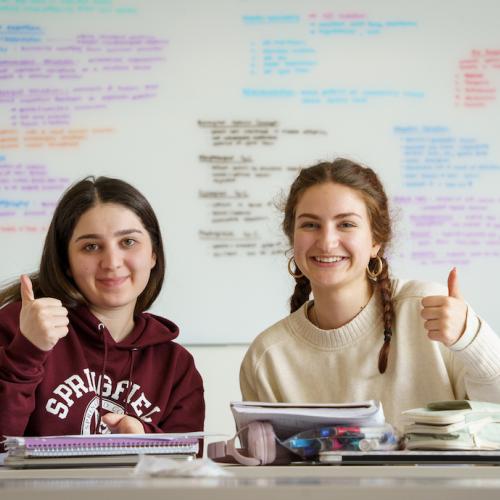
[42, 321]
[445, 316]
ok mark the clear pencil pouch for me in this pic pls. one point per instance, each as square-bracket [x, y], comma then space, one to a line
[308, 444]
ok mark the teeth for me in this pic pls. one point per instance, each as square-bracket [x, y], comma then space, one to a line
[328, 259]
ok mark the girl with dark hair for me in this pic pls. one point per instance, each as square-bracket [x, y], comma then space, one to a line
[364, 335]
[78, 354]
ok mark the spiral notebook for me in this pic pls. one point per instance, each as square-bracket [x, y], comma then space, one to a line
[87, 450]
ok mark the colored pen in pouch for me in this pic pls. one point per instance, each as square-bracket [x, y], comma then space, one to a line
[305, 447]
[338, 431]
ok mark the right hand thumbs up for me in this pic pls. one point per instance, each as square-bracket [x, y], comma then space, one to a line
[42, 321]
[27, 295]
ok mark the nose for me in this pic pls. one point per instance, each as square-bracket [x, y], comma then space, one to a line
[111, 258]
[328, 239]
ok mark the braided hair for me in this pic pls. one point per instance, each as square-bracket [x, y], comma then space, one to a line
[366, 182]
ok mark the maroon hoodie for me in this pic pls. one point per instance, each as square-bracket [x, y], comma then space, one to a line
[87, 374]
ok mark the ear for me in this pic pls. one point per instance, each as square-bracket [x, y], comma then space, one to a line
[375, 250]
[153, 260]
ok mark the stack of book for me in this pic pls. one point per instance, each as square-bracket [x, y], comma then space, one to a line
[453, 425]
[93, 450]
[290, 418]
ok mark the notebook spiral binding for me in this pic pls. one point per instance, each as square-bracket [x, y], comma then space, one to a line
[93, 446]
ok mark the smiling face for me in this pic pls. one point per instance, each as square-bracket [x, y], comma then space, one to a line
[332, 239]
[110, 257]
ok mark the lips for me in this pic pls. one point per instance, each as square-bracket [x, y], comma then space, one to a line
[112, 282]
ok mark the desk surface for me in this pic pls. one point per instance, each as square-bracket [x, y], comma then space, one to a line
[456, 482]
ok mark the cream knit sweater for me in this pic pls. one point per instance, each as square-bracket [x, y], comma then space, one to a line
[294, 361]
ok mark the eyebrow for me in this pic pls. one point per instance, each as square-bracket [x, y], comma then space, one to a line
[338, 216]
[94, 236]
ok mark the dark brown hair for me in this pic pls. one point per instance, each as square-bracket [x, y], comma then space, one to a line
[367, 184]
[52, 278]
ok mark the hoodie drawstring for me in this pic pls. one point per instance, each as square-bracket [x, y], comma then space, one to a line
[132, 351]
[131, 370]
[101, 327]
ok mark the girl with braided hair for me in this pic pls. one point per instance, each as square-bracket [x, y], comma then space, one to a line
[365, 335]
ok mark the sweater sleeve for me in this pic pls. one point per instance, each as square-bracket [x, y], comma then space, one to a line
[21, 371]
[259, 379]
[247, 380]
[479, 364]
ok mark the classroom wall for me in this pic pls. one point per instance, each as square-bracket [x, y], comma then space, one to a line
[211, 107]
[219, 367]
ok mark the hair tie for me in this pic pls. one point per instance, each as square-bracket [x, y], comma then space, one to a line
[387, 335]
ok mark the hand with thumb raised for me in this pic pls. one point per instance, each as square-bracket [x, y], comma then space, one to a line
[445, 316]
[453, 290]
[42, 321]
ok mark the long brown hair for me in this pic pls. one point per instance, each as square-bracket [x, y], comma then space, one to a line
[367, 184]
[53, 277]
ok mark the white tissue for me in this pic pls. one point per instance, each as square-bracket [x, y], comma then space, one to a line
[167, 467]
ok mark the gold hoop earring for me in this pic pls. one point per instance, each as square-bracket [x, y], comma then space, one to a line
[377, 271]
[290, 270]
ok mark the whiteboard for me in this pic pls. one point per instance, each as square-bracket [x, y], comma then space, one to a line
[211, 107]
